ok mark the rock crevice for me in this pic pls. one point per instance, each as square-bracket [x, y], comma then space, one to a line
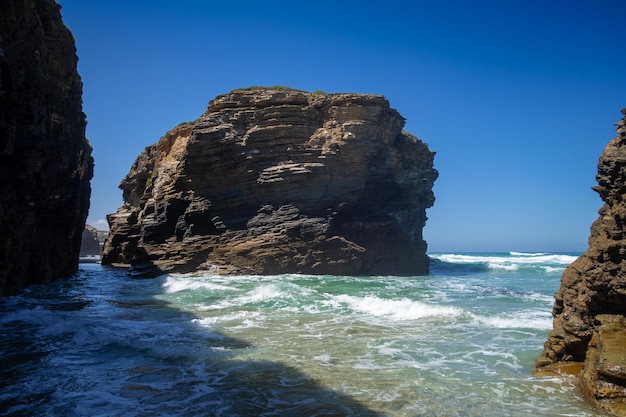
[274, 180]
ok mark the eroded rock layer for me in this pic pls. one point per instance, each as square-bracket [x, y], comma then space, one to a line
[589, 307]
[45, 159]
[275, 181]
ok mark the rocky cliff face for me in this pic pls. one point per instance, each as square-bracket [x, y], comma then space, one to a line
[275, 181]
[90, 245]
[589, 307]
[45, 160]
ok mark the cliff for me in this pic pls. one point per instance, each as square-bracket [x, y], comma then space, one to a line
[275, 180]
[589, 307]
[45, 160]
[90, 244]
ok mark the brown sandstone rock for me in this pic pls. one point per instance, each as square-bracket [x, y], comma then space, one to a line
[45, 159]
[275, 180]
[603, 377]
[590, 304]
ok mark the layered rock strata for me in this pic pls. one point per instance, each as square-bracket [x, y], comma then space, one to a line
[275, 180]
[589, 308]
[45, 159]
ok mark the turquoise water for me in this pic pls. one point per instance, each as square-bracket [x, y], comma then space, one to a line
[460, 342]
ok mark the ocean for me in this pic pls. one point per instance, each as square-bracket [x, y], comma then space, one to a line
[459, 342]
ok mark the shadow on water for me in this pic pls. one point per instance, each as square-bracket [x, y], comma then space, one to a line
[204, 380]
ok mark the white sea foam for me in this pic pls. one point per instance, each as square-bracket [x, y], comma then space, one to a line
[551, 269]
[398, 309]
[175, 283]
[503, 266]
[366, 364]
[534, 296]
[511, 262]
[325, 358]
[540, 320]
[262, 293]
[249, 317]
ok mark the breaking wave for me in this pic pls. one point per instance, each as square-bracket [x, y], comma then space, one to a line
[511, 261]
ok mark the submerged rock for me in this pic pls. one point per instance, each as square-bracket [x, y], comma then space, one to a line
[275, 180]
[589, 307]
[45, 159]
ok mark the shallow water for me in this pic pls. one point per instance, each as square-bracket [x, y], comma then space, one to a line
[460, 342]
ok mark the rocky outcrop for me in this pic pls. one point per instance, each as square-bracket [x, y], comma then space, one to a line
[90, 244]
[275, 180]
[45, 160]
[589, 307]
[603, 376]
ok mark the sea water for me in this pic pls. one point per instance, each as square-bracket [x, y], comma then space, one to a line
[459, 342]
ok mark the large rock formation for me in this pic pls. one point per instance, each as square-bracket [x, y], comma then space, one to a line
[90, 244]
[45, 160]
[275, 181]
[589, 308]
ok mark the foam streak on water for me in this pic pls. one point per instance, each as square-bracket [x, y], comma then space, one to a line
[461, 342]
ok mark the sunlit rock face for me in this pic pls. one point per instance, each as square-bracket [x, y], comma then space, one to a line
[276, 180]
[589, 307]
[45, 159]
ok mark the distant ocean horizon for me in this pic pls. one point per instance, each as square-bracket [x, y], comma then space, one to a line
[459, 342]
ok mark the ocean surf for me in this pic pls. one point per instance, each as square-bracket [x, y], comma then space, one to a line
[459, 342]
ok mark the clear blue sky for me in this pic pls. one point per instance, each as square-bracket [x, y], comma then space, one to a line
[518, 98]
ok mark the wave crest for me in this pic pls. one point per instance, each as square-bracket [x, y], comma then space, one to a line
[511, 261]
[397, 309]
